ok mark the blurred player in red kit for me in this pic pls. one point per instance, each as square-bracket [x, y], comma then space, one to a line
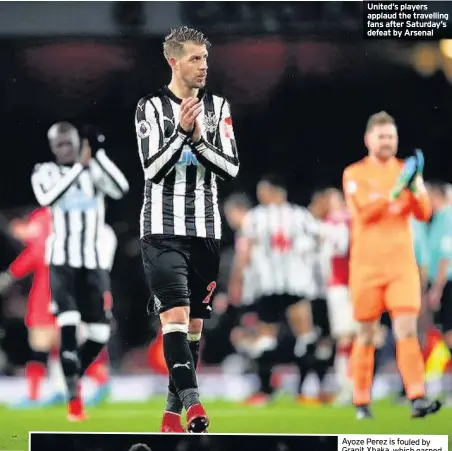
[343, 326]
[42, 331]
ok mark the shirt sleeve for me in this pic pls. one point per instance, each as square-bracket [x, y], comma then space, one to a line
[421, 206]
[24, 264]
[108, 177]
[49, 188]
[222, 158]
[157, 154]
[364, 204]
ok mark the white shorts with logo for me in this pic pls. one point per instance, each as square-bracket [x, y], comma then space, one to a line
[340, 311]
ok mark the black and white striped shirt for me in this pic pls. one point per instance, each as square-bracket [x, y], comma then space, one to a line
[284, 240]
[180, 194]
[75, 196]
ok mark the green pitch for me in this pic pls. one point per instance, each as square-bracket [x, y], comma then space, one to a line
[284, 416]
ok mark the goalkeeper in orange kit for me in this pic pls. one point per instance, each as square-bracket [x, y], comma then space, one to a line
[382, 193]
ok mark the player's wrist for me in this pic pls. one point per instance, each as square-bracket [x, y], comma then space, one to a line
[197, 144]
[185, 133]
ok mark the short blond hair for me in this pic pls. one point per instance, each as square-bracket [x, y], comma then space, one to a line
[173, 45]
[381, 118]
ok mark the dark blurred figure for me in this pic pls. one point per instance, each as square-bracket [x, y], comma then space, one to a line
[140, 447]
[279, 239]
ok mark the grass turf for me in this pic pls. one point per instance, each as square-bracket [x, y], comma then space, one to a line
[283, 416]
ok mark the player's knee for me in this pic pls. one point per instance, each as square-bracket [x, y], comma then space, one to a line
[366, 334]
[39, 341]
[380, 335]
[300, 311]
[100, 333]
[174, 327]
[404, 326]
[69, 318]
[195, 327]
[176, 315]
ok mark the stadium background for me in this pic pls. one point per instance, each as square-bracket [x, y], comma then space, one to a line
[302, 83]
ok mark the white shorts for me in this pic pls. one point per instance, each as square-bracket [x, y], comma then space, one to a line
[340, 311]
[82, 333]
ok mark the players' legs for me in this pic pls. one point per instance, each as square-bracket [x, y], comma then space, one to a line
[363, 361]
[166, 265]
[262, 347]
[62, 283]
[98, 371]
[324, 350]
[408, 352]
[368, 305]
[299, 317]
[343, 329]
[403, 300]
[41, 340]
[173, 402]
[90, 298]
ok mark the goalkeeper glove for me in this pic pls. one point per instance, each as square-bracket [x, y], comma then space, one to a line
[420, 161]
[406, 176]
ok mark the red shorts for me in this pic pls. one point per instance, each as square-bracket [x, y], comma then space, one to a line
[40, 321]
[38, 313]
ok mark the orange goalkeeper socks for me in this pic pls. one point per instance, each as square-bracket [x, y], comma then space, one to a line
[362, 361]
[411, 366]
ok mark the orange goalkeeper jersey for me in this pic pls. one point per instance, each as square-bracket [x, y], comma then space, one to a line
[382, 241]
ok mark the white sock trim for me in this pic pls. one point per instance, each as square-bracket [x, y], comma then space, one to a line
[174, 327]
[71, 318]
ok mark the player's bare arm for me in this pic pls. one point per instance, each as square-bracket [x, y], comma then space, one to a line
[241, 261]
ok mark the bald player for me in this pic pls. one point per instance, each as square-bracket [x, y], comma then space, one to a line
[74, 187]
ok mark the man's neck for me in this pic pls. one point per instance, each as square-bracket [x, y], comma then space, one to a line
[277, 201]
[381, 161]
[182, 91]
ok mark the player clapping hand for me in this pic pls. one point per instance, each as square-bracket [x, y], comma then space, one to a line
[86, 153]
[190, 109]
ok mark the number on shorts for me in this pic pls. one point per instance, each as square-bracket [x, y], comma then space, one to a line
[210, 289]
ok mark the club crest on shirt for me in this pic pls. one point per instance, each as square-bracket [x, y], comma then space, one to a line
[143, 129]
[210, 122]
